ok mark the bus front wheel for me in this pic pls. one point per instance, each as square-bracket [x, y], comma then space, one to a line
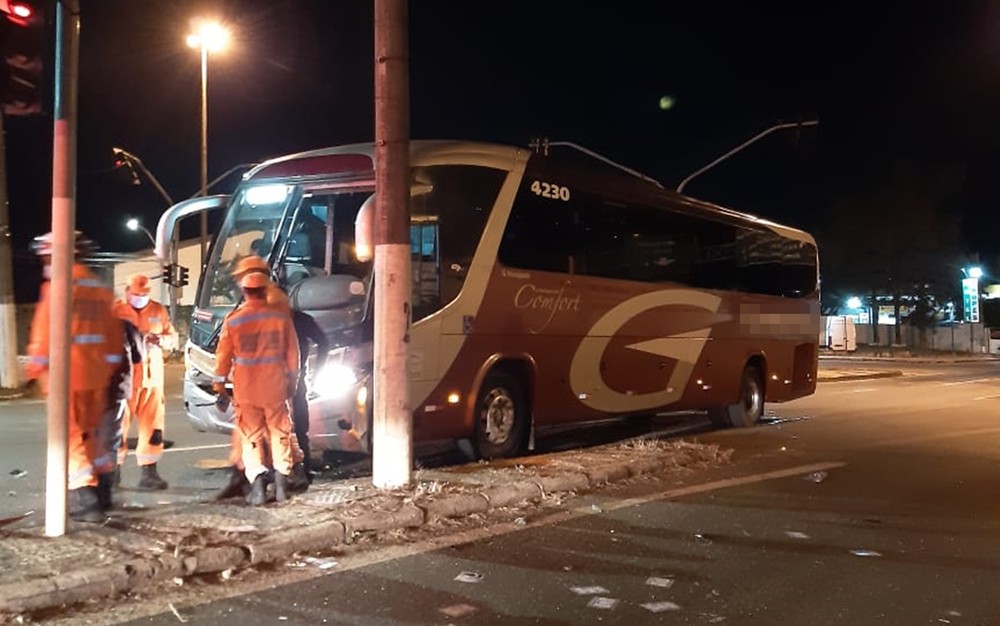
[501, 417]
[749, 408]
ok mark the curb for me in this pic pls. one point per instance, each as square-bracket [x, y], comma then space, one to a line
[60, 590]
[867, 376]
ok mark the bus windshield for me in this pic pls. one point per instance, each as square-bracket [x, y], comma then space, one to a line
[304, 233]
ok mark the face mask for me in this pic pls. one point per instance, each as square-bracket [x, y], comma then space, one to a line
[138, 302]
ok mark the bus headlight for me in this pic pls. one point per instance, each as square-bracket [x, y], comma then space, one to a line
[333, 380]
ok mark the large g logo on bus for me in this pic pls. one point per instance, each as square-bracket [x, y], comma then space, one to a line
[585, 376]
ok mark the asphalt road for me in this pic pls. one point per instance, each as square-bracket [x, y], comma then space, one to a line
[186, 463]
[902, 527]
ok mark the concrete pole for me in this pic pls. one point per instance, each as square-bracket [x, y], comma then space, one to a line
[204, 150]
[392, 427]
[8, 308]
[63, 237]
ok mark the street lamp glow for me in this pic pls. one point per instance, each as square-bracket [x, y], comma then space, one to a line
[210, 36]
[975, 272]
[854, 302]
[134, 225]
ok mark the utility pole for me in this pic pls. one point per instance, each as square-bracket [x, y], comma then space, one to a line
[63, 238]
[8, 308]
[392, 422]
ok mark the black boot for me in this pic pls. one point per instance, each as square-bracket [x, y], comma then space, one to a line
[237, 485]
[280, 486]
[105, 489]
[117, 479]
[298, 481]
[84, 506]
[150, 480]
[258, 493]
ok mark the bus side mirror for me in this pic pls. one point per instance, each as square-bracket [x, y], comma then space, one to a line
[364, 231]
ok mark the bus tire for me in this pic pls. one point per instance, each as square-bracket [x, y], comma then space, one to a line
[749, 408]
[501, 417]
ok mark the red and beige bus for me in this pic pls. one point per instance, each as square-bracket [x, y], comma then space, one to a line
[549, 288]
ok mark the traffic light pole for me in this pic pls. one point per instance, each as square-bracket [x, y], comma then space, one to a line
[392, 420]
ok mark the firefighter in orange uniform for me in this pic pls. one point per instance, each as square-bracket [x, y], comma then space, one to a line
[146, 406]
[96, 350]
[300, 470]
[258, 347]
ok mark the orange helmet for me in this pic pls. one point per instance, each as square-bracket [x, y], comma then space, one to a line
[138, 285]
[251, 263]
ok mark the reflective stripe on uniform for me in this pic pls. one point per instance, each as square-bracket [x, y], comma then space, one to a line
[88, 339]
[256, 316]
[263, 360]
[88, 282]
[104, 460]
[113, 358]
[86, 472]
[218, 379]
[38, 360]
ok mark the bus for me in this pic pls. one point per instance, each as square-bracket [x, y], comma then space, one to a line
[550, 286]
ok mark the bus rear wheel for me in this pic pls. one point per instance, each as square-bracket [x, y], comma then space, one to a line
[749, 408]
[501, 417]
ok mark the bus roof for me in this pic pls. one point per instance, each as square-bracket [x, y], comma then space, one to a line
[361, 157]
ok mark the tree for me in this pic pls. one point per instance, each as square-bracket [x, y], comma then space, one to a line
[898, 241]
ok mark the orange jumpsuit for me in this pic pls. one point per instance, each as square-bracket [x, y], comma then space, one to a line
[259, 347]
[96, 350]
[278, 299]
[147, 404]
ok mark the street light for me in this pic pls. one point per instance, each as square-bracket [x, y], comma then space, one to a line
[134, 225]
[754, 139]
[207, 37]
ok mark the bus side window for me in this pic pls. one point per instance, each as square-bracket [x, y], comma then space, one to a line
[539, 234]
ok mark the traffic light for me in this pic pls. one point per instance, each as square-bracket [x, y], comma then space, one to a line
[168, 274]
[182, 278]
[23, 39]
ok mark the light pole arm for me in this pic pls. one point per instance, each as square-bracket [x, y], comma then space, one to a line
[221, 177]
[149, 175]
[754, 139]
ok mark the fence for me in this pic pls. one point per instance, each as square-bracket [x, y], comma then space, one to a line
[973, 338]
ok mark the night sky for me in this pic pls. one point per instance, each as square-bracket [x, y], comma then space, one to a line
[889, 84]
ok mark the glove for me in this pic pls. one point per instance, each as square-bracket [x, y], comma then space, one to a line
[222, 402]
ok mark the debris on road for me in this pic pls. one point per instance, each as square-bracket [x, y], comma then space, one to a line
[18, 473]
[816, 477]
[864, 553]
[469, 577]
[660, 607]
[600, 602]
[794, 534]
[588, 591]
[458, 611]
[656, 581]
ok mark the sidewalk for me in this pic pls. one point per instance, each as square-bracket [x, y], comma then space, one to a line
[136, 550]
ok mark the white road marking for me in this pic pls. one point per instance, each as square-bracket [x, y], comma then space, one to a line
[926, 438]
[969, 382]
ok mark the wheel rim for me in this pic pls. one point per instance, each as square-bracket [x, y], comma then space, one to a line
[753, 400]
[498, 416]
